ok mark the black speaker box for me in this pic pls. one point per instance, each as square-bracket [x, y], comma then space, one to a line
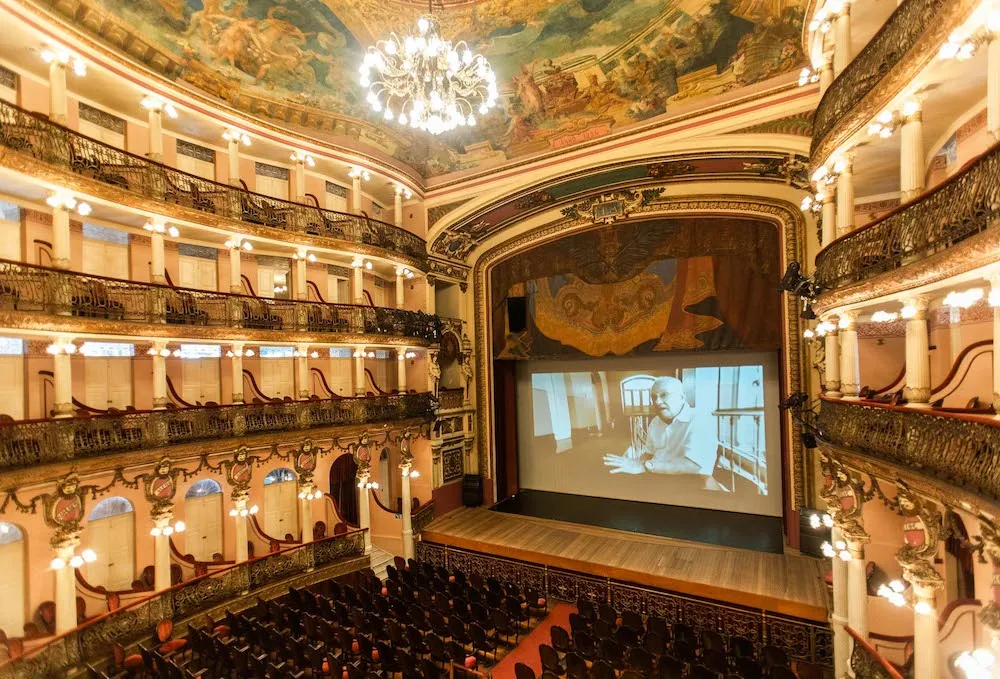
[472, 490]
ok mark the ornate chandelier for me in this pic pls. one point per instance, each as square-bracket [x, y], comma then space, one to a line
[426, 82]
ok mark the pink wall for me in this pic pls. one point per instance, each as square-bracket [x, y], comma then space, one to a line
[33, 95]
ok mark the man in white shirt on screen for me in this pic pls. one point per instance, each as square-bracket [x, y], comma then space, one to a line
[678, 440]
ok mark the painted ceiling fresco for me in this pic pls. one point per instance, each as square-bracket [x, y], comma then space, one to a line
[570, 71]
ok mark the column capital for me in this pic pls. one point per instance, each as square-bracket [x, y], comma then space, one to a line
[921, 574]
[847, 319]
[918, 304]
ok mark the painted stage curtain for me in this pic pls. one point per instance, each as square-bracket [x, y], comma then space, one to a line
[688, 284]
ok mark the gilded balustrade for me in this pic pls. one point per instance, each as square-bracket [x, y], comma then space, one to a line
[93, 641]
[961, 450]
[966, 204]
[867, 663]
[30, 133]
[34, 289]
[423, 516]
[31, 442]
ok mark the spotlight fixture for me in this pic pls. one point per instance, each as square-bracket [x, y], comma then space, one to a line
[794, 401]
[237, 135]
[797, 284]
[154, 102]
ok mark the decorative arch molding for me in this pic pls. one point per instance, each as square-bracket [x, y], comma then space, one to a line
[791, 229]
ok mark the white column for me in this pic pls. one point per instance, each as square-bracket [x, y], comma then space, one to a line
[408, 549]
[832, 363]
[359, 371]
[157, 263]
[302, 370]
[234, 162]
[917, 390]
[842, 40]
[235, 274]
[911, 162]
[857, 584]
[364, 520]
[401, 370]
[161, 553]
[60, 238]
[155, 116]
[926, 651]
[400, 289]
[356, 194]
[57, 107]
[829, 217]
[358, 285]
[845, 200]
[995, 303]
[850, 374]
[65, 586]
[299, 178]
[160, 399]
[993, 86]
[825, 74]
[397, 208]
[237, 369]
[305, 511]
[62, 378]
[838, 620]
[430, 305]
[240, 522]
[301, 286]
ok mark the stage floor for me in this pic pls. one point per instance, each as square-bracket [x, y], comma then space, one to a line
[783, 583]
[727, 529]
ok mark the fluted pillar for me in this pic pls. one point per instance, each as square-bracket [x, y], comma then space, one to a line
[408, 548]
[237, 370]
[850, 374]
[993, 85]
[845, 200]
[832, 382]
[917, 390]
[155, 118]
[397, 207]
[62, 380]
[302, 370]
[926, 645]
[839, 617]
[57, 93]
[829, 218]
[65, 584]
[356, 193]
[358, 285]
[857, 583]
[911, 162]
[233, 160]
[160, 399]
[364, 516]
[359, 371]
[239, 515]
[842, 51]
[400, 289]
[299, 177]
[305, 511]
[60, 238]
[235, 271]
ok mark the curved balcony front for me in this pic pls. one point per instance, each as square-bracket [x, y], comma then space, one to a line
[909, 40]
[954, 212]
[39, 298]
[40, 147]
[32, 442]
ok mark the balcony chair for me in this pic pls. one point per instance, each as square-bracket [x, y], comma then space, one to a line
[182, 309]
[257, 211]
[90, 298]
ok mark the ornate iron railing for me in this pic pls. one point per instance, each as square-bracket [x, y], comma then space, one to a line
[30, 133]
[450, 399]
[961, 450]
[423, 516]
[867, 663]
[24, 287]
[966, 204]
[32, 442]
[93, 641]
[900, 33]
[800, 639]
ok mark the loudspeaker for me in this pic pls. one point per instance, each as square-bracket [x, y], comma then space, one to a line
[472, 490]
[517, 314]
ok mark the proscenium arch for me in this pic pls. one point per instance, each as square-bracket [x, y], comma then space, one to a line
[791, 226]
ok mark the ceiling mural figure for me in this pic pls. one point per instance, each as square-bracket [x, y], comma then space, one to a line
[569, 71]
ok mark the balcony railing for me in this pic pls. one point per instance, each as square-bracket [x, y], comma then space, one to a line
[34, 289]
[900, 33]
[93, 641]
[966, 204]
[960, 449]
[59, 146]
[451, 399]
[867, 663]
[31, 442]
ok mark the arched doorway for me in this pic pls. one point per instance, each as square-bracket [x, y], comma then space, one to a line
[12, 587]
[203, 519]
[344, 488]
[111, 534]
[281, 510]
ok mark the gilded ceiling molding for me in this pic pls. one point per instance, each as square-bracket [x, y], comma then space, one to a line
[972, 253]
[938, 18]
[791, 229]
[799, 124]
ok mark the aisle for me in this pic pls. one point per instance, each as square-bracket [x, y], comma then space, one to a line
[527, 650]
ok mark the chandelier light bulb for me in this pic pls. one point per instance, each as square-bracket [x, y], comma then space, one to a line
[302, 156]
[57, 564]
[155, 531]
[236, 135]
[153, 102]
[76, 561]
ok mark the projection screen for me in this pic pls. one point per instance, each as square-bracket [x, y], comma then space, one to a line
[698, 430]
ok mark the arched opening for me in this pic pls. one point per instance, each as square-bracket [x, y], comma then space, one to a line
[385, 478]
[203, 518]
[959, 565]
[111, 534]
[281, 512]
[344, 488]
[12, 585]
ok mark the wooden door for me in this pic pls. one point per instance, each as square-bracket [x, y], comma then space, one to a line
[113, 539]
[277, 377]
[198, 273]
[203, 526]
[200, 380]
[281, 515]
[12, 396]
[101, 258]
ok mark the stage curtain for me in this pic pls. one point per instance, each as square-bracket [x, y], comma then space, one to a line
[505, 417]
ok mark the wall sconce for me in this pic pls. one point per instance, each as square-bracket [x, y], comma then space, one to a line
[403, 191]
[244, 512]
[359, 172]
[168, 530]
[311, 495]
[411, 473]
[237, 135]
[157, 227]
[302, 254]
[60, 348]
[154, 102]
[236, 243]
[64, 200]
[75, 561]
[53, 53]
[818, 519]
[303, 157]
[239, 353]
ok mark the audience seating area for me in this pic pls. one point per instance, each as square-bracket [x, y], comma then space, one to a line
[603, 643]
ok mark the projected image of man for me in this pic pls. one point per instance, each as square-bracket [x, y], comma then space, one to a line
[678, 439]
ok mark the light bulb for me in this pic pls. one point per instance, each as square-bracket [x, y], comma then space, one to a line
[168, 531]
[254, 509]
[76, 561]
[923, 608]
[57, 564]
[233, 512]
[154, 531]
[89, 555]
